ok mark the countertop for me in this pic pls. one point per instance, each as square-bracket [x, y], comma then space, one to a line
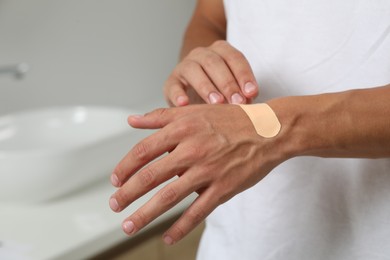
[76, 226]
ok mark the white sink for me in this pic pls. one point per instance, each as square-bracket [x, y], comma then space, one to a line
[48, 153]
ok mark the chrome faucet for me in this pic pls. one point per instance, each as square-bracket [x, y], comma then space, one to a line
[16, 70]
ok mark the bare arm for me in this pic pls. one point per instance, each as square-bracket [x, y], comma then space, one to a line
[354, 123]
[207, 25]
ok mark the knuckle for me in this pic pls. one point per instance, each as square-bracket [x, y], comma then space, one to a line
[195, 152]
[188, 68]
[195, 215]
[147, 177]
[219, 44]
[235, 56]
[159, 112]
[244, 73]
[140, 218]
[122, 197]
[192, 155]
[205, 171]
[227, 194]
[210, 60]
[162, 114]
[187, 127]
[177, 232]
[183, 129]
[171, 83]
[176, 73]
[204, 86]
[231, 85]
[174, 88]
[141, 151]
[169, 196]
[196, 51]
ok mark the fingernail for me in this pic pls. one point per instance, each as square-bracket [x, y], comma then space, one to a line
[237, 99]
[134, 118]
[128, 227]
[250, 88]
[214, 98]
[137, 116]
[168, 240]
[114, 204]
[114, 180]
[181, 100]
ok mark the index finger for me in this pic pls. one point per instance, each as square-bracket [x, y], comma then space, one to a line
[164, 140]
[158, 118]
[239, 66]
[141, 154]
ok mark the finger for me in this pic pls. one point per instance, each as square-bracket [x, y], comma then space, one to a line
[194, 76]
[239, 66]
[192, 217]
[145, 180]
[194, 96]
[158, 118]
[162, 201]
[142, 153]
[220, 74]
[174, 92]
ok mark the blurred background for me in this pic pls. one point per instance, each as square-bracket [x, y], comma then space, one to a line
[89, 52]
[114, 53]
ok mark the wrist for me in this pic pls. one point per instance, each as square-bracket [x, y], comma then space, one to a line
[303, 124]
[288, 141]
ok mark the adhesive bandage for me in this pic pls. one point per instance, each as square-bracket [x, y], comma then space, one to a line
[263, 119]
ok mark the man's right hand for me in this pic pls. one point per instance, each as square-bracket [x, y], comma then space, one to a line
[216, 74]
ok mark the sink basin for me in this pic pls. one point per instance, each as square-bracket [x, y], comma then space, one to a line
[48, 153]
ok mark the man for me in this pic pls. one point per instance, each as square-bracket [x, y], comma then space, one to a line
[316, 189]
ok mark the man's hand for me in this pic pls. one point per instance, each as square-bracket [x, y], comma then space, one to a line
[213, 149]
[216, 74]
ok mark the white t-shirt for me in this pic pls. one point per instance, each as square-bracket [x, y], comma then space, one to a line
[309, 208]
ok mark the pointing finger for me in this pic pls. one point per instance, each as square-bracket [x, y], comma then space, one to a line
[239, 66]
[141, 154]
[156, 119]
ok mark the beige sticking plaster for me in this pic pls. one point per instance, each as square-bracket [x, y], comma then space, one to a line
[263, 119]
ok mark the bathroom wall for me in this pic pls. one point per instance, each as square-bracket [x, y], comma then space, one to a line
[88, 52]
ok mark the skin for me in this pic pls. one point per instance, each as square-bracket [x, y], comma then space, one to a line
[210, 69]
[218, 159]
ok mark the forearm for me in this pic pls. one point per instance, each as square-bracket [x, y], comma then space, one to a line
[351, 124]
[204, 28]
